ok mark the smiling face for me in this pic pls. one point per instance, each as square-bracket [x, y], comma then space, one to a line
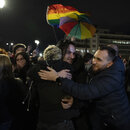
[101, 60]
[70, 54]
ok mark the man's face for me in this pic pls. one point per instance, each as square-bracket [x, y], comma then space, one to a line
[70, 54]
[20, 49]
[100, 60]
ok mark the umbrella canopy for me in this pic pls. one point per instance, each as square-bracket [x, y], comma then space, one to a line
[77, 25]
[56, 11]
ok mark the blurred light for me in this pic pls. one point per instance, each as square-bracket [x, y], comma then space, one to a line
[40, 54]
[37, 42]
[82, 51]
[11, 44]
[93, 50]
[7, 44]
[2, 3]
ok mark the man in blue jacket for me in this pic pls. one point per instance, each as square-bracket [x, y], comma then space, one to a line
[105, 88]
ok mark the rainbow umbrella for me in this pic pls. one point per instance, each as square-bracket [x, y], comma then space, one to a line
[56, 11]
[77, 25]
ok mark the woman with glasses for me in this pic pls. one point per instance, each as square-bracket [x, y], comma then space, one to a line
[22, 64]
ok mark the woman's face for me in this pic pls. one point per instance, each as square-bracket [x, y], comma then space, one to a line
[20, 61]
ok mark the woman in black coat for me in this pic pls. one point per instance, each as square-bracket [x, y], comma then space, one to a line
[51, 114]
[22, 64]
[11, 94]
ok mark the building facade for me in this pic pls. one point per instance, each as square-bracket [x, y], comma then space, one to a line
[104, 37]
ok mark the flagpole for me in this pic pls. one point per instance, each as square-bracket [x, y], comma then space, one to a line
[55, 34]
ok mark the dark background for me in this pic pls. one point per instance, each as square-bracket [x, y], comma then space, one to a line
[25, 20]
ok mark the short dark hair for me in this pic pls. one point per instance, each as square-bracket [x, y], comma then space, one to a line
[115, 47]
[63, 45]
[16, 46]
[111, 52]
[87, 57]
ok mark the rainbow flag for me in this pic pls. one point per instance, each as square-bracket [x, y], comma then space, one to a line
[56, 11]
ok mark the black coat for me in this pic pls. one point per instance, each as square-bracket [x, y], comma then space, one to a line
[11, 97]
[108, 92]
[50, 94]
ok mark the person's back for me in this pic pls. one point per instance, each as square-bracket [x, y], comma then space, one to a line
[50, 94]
[11, 97]
[11, 94]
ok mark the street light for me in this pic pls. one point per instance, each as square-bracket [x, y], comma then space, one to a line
[2, 3]
[37, 42]
[40, 54]
[10, 45]
[37, 47]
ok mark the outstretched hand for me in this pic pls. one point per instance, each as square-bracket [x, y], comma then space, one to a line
[48, 75]
[53, 75]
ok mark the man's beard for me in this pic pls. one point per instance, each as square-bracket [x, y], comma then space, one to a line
[96, 71]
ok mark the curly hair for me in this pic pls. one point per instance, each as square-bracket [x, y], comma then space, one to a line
[52, 52]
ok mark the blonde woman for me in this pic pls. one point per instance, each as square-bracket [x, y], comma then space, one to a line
[51, 113]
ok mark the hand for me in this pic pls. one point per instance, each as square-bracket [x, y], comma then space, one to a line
[48, 75]
[29, 49]
[67, 102]
[65, 74]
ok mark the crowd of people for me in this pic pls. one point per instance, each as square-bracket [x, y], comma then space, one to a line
[64, 90]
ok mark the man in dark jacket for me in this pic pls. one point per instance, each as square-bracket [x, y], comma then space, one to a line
[106, 89]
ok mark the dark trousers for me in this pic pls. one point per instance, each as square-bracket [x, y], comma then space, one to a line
[65, 125]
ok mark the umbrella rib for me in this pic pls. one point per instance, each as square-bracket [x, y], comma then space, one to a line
[77, 29]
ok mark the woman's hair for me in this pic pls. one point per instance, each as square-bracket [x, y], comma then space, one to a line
[25, 56]
[5, 67]
[52, 52]
[3, 51]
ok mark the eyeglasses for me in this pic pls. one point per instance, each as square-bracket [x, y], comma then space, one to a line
[20, 59]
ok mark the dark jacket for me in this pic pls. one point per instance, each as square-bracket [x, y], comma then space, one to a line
[108, 92]
[11, 97]
[127, 75]
[50, 94]
[22, 73]
[79, 74]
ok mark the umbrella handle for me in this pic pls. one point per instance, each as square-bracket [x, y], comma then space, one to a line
[55, 34]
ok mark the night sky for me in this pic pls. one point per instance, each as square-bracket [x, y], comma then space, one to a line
[25, 20]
